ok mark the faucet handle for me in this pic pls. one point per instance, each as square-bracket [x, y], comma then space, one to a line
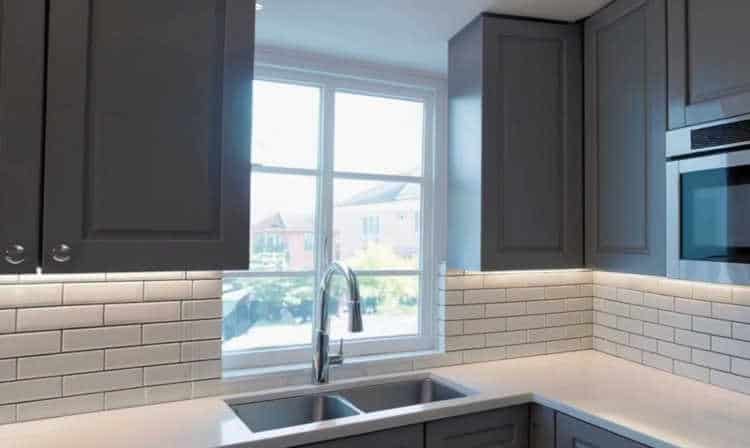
[338, 358]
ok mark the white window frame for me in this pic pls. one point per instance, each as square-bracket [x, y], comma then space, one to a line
[359, 80]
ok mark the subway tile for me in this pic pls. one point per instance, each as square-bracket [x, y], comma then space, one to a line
[617, 336]
[526, 322]
[505, 309]
[170, 392]
[54, 318]
[630, 325]
[451, 284]
[91, 293]
[712, 326]
[731, 382]
[608, 320]
[204, 275]
[484, 296]
[124, 398]
[694, 307]
[587, 343]
[144, 276]
[201, 309]
[572, 318]
[7, 413]
[60, 364]
[587, 317]
[202, 370]
[547, 334]
[741, 367]
[17, 296]
[102, 381]
[620, 309]
[484, 325]
[674, 351]
[605, 292]
[7, 370]
[30, 390]
[630, 353]
[197, 351]
[562, 292]
[675, 319]
[630, 296]
[130, 313]
[600, 304]
[506, 338]
[657, 331]
[524, 294]
[644, 313]
[437, 360]
[451, 297]
[699, 340]
[566, 345]
[741, 295]
[735, 313]
[739, 331]
[484, 355]
[517, 351]
[454, 343]
[730, 346]
[712, 293]
[445, 328]
[461, 312]
[168, 290]
[658, 361]
[580, 304]
[7, 321]
[61, 278]
[94, 338]
[545, 306]
[711, 359]
[605, 346]
[578, 331]
[671, 287]
[60, 406]
[587, 290]
[643, 343]
[29, 344]
[659, 301]
[120, 358]
[691, 371]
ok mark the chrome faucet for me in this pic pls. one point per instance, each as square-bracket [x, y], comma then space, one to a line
[321, 359]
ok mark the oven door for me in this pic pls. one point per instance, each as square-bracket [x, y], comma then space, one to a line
[708, 218]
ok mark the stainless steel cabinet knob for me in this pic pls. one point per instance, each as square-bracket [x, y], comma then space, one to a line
[62, 253]
[15, 254]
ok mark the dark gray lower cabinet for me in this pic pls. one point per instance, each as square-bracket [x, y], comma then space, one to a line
[625, 113]
[504, 428]
[406, 437]
[541, 427]
[572, 433]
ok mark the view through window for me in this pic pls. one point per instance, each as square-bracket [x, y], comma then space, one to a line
[349, 189]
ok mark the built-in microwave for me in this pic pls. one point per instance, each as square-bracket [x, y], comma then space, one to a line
[708, 202]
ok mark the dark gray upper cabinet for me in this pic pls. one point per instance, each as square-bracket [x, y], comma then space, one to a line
[504, 428]
[572, 433]
[22, 31]
[406, 437]
[147, 135]
[625, 125]
[515, 145]
[709, 67]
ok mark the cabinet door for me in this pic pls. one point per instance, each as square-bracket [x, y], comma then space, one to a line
[504, 428]
[542, 427]
[572, 433]
[709, 68]
[625, 144]
[22, 30]
[406, 437]
[148, 135]
[532, 145]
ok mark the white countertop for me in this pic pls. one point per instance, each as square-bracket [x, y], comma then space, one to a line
[650, 406]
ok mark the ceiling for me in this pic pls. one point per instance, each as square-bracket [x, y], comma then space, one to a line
[412, 34]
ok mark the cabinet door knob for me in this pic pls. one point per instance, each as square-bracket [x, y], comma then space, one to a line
[14, 254]
[62, 253]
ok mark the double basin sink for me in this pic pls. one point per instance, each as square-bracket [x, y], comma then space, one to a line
[299, 410]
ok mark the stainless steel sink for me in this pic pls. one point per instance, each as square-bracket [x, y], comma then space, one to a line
[399, 394]
[282, 413]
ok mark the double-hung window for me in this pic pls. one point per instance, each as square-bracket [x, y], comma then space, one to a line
[342, 169]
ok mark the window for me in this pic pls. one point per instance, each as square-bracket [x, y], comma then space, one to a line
[337, 165]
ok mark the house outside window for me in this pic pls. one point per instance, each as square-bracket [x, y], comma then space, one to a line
[337, 163]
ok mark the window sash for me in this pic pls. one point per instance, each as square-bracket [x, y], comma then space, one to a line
[322, 246]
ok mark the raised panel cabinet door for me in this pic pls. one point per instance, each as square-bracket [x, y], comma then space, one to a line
[22, 31]
[709, 70]
[406, 437]
[504, 428]
[625, 112]
[542, 427]
[148, 135]
[572, 433]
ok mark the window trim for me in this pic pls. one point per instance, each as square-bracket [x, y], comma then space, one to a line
[382, 83]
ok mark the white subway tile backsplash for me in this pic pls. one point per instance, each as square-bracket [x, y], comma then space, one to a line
[484, 325]
[168, 290]
[16, 296]
[461, 312]
[7, 370]
[517, 351]
[93, 338]
[200, 350]
[453, 343]
[169, 392]
[657, 331]
[658, 361]
[60, 406]
[524, 294]
[645, 314]
[692, 339]
[7, 414]
[526, 322]
[735, 313]
[711, 292]
[694, 307]
[484, 355]
[562, 292]
[7, 321]
[146, 355]
[507, 338]
[28, 344]
[730, 346]
[129, 313]
[144, 276]
[87, 383]
[545, 307]
[112, 292]
[711, 359]
[712, 326]
[505, 309]
[731, 382]
[739, 331]
[691, 371]
[29, 390]
[201, 309]
[676, 320]
[125, 398]
[484, 296]
[35, 319]
[674, 351]
[659, 301]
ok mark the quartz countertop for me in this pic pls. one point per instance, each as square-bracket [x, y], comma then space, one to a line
[652, 407]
